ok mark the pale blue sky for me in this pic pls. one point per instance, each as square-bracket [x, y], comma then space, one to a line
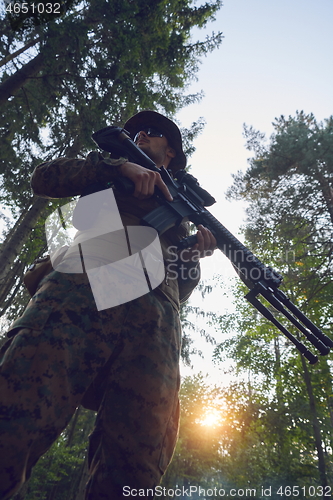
[276, 58]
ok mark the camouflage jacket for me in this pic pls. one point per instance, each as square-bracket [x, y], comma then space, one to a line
[63, 178]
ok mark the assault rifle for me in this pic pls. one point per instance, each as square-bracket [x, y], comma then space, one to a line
[190, 200]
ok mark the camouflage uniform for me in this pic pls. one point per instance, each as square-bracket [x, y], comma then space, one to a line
[122, 362]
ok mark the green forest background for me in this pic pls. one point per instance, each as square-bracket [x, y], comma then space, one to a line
[98, 63]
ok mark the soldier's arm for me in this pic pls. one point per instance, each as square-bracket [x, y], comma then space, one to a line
[66, 177]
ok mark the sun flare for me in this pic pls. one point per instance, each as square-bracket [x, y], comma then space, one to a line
[212, 418]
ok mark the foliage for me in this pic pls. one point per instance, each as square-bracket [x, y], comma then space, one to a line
[186, 312]
[197, 456]
[251, 441]
[290, 179]
[99, 63]
[289, 189]
[55, 468]
[59, 472]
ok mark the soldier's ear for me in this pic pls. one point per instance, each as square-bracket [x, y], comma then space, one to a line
[171, 153]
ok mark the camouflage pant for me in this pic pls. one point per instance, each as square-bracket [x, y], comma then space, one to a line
[122, 362]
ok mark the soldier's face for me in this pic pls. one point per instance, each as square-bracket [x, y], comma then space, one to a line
[157, 148]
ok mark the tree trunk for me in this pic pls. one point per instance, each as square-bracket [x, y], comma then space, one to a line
[315, 424]
[21, 231]
[283, 452]
[327, 191]
[10, 57]
[72, 427]
[21, 494]
[13, 84]
[17, 237]
[80, 495]
[7, 282]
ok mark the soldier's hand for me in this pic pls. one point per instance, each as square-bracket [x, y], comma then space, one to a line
[144, 180]
[205, 246]
[206, 242]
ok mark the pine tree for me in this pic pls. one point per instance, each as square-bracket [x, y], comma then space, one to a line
[97, 64]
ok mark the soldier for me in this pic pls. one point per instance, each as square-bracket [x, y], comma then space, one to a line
[123, 361]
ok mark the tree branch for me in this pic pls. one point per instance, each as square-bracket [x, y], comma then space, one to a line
[10, 57]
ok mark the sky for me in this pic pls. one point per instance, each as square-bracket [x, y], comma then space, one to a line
[276, 58]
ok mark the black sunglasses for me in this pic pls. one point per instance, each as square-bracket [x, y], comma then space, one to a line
[150, 131]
